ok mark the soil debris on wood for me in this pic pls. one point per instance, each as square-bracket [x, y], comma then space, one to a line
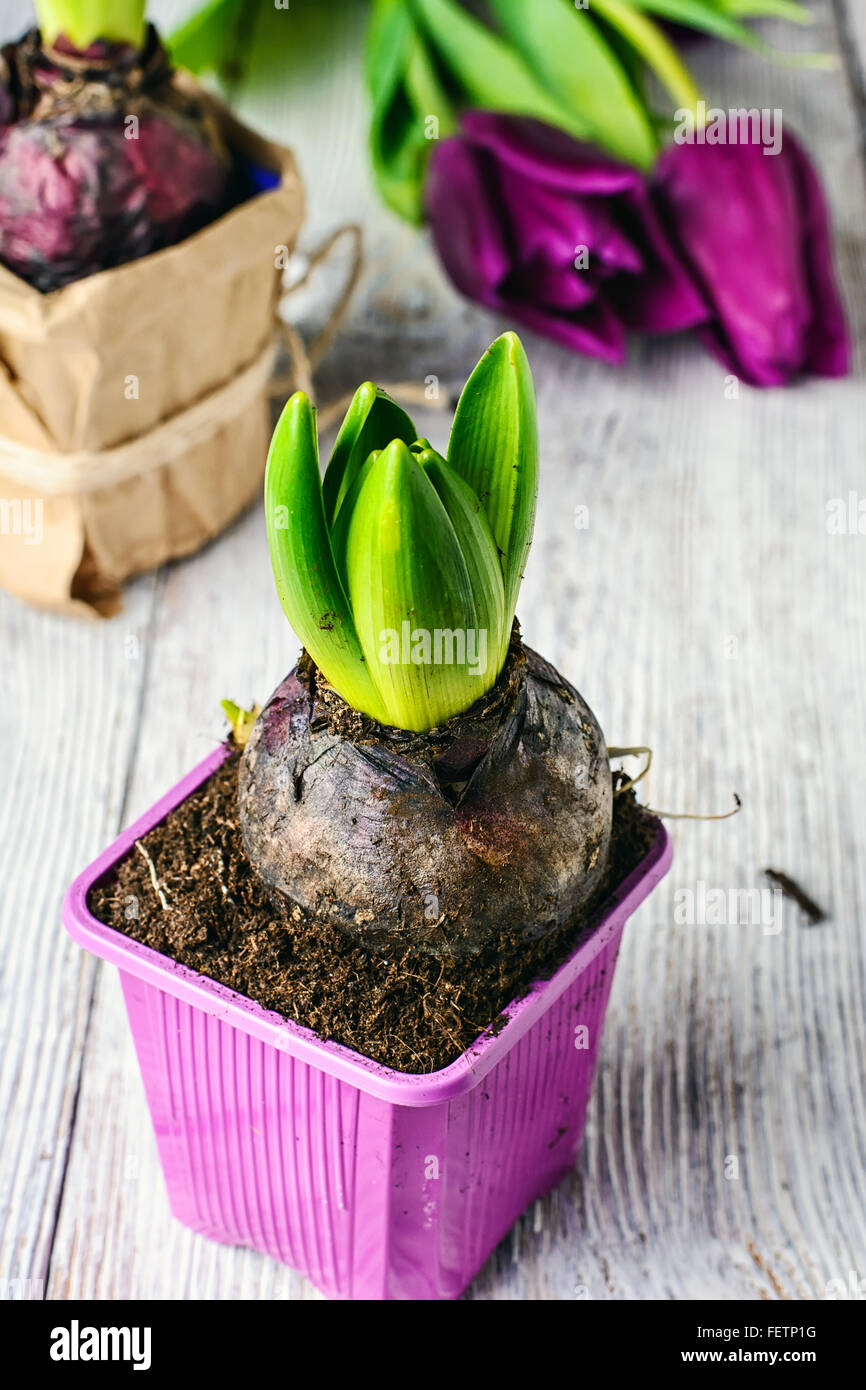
[792, 889]
[415, 1013]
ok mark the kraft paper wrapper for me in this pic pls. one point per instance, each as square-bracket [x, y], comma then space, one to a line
[187, 321]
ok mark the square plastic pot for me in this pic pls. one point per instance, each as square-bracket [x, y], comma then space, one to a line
[374, 1183]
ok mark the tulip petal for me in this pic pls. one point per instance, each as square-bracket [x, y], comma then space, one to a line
[463, 219]
[829, 343]
[596, 332]
[515, 205]
[547, 222]
[736, 213]
[547, 155]
[552, 286]
[666, 299]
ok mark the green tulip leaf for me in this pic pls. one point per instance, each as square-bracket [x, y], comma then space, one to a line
[427, 94]
[571, 58]
[697, 14]
[399, 71]
[723, 19]
[488, 69]
[653, 46]
[791, 10]
[204, 42]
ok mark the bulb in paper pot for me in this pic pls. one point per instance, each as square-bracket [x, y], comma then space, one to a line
[102, 158]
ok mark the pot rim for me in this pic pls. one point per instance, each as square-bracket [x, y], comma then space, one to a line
[395, 1087]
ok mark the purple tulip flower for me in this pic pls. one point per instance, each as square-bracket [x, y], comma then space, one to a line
[557, 235]
[754, 230]
[726, 239]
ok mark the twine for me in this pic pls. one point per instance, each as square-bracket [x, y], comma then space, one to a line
[58, 473]
[304, 360]
[52, 473]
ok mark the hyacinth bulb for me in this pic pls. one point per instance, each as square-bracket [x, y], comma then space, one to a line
[102, 161]
[479, 775]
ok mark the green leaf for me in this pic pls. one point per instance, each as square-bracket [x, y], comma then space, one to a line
[306, 577]
[387, 43]
[723, 20]
[408, 582]
[203, 43]
[494, 448]
[697, 14]
[478, 547]
[241, 720]
[406, 599]
[487, 68]
[653, 46]
[791, 10]
[260, 52]
[569, 55]
[427, 94]
[343, 520]
[398, 148]
[371, 422]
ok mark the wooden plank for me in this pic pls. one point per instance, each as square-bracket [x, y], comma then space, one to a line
[70, 696]
[851, 22]
[705, 610]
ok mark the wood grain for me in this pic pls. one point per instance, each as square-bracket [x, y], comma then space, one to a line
[851, 26]
[705, 610]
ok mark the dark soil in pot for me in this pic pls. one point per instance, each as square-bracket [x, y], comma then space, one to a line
[408, 1010]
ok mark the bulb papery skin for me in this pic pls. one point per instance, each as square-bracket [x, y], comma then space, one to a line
[500, 820]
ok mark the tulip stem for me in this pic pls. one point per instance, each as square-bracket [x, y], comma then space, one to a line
[791, 10]
[649, 40]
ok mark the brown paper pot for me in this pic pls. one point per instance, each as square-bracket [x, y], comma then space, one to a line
[134, 403]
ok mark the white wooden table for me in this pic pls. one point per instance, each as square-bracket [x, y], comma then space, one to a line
[706, 611]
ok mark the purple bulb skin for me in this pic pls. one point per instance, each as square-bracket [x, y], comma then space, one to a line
[102, 161]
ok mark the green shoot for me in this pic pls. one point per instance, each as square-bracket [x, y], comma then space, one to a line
[400, 571]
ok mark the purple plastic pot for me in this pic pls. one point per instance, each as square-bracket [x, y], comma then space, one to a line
[374, 1183]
